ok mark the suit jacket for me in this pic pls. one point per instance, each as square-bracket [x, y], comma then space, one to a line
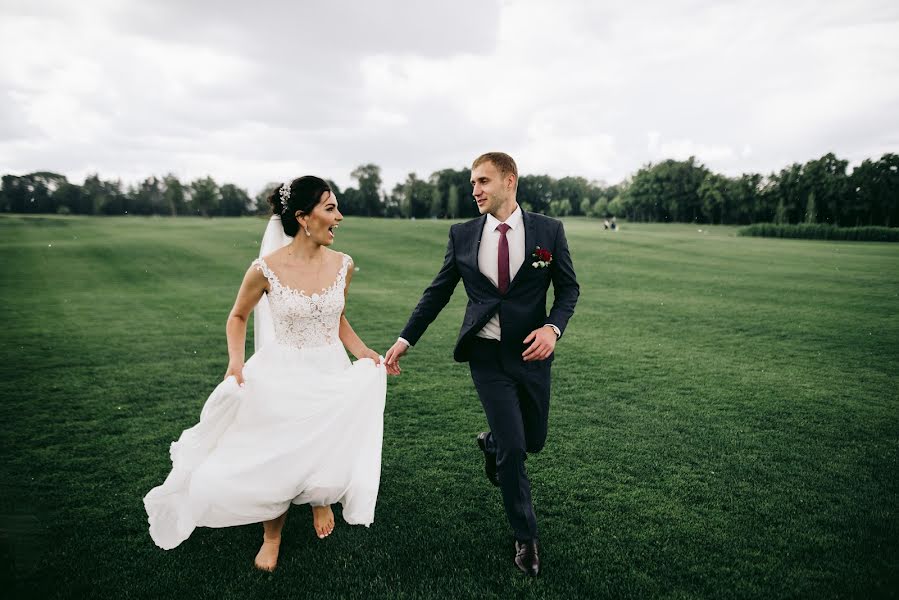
[522, 308]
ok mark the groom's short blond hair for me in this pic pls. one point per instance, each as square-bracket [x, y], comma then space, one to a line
[501, 160]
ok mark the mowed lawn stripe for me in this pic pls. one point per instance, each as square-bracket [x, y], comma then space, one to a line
[723, 422]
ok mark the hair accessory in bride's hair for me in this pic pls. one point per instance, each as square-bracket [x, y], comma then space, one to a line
[285, 196]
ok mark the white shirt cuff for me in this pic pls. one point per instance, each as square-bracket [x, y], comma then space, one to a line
[405, 341]
[556, 329]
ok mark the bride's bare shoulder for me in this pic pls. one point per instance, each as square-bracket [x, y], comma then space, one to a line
[336, 258]
[264, 267]
[275, 257]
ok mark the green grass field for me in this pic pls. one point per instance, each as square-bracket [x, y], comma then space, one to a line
[724, 424]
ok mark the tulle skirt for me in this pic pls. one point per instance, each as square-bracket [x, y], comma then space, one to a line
[306, 428]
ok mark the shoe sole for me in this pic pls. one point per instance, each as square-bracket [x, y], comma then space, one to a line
[527, 572]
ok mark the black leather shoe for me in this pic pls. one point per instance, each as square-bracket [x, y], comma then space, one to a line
[489, 459]
[527, 558]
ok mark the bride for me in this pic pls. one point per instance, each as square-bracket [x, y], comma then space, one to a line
[297, 423]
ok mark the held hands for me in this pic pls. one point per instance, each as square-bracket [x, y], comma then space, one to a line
[392, 358]
[235, 369]
[543, 342]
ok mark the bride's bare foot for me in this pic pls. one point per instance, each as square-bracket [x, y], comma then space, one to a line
[322, 521]
[267, 558]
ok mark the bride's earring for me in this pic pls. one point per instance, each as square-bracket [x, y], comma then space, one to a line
[305, 227]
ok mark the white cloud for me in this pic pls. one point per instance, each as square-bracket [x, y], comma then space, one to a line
[559, 141]
[250, 92]
[685, 148]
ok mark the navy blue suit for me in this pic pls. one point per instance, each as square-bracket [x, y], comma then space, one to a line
[514, 393]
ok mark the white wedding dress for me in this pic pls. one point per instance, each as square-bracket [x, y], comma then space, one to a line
[306, 428]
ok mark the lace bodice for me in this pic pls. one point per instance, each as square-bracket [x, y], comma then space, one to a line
[306, 320]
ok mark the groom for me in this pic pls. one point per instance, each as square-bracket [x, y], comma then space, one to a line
[506, 260]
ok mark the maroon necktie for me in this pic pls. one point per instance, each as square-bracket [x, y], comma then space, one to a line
[503, 258]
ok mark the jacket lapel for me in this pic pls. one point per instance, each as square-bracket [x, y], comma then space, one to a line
[470, 254]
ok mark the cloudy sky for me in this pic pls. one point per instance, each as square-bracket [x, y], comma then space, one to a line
[258, 91]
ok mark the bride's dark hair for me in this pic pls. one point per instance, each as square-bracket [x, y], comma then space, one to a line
[305, 192]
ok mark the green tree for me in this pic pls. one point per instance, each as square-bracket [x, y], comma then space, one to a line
[452, 202]
[147, 198]
[448, 180]
[746, 201]
[234, 201]
[436, 208]
[261, 204]
[875, 192]
[14, 194]
[40, 186]
[586, 206]
[70, 198]
[575, 189]
[174, 195]
[713, 193]
[827, 178]
[352, 202]
[810, 213]
[107, 197]
[616, 208]
[392, 207]
[204, 196]
[780, 215]
[95, 192]
[789, 189]
[118, 197]
[668, 191]
[368, 200]
[536, 190]
[414, 197]
[560, 208]
[600, 208]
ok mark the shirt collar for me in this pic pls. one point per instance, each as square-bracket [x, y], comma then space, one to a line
[514, 221]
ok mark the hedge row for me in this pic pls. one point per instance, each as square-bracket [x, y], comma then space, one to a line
[822, 231]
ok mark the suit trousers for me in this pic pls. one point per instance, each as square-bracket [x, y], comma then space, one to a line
[515, 397]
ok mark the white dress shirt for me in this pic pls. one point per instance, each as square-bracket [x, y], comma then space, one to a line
[488, 263]
[488, 255]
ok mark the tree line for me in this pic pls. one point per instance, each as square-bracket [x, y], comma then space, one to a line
[818, 191]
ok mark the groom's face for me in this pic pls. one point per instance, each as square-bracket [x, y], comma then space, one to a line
[490, 188]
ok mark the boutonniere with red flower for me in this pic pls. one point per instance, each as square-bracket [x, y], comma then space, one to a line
[542, 258]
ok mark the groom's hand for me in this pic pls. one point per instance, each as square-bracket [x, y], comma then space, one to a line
[543, 342]
[392, 358]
